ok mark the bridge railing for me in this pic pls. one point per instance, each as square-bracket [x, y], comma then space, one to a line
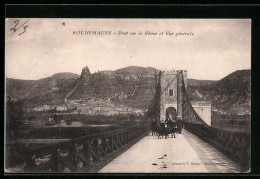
[236, 145]
[71, 155]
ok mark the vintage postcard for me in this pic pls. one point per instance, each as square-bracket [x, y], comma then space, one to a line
[95, 95]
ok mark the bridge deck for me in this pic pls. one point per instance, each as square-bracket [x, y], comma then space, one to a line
[184, 154]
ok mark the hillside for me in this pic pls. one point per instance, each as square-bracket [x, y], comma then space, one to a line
[40, 91]
[136, 70]
[233, 90]
[118, 86]
[130, 86]
[230, 93]
[193, 82]
[65, 76]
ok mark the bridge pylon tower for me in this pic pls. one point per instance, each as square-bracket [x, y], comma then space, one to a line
[172, 93]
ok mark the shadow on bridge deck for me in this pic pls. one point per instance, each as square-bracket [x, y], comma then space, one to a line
[184, 154]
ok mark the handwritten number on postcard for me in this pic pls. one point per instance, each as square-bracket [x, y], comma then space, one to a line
[16, 23]
[14, 29]
[24, 29]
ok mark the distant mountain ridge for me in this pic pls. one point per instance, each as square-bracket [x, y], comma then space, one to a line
[28, 89]
[230, 93]
[125, 86]
[195, 82]
[136, 70]
[65, 75]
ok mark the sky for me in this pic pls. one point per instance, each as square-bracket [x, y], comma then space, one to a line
[217, 47]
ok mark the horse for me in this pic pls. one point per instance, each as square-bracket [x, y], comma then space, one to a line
[172, 128]
[162, 130]
[154, 127]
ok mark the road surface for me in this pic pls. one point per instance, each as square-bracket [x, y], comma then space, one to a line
[184, 154]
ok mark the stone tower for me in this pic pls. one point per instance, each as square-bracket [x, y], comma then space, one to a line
[171, 92]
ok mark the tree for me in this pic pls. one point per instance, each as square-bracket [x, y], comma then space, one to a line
[13, 114]
[57, 118]
[32, 117]
[68, 122]
[132, 117]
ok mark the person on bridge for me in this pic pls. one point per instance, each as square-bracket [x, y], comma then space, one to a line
[174, 127]
[162, 130]
[166, 122]
[169, 122]
[179, 125]
[170, 127]
[153, 126]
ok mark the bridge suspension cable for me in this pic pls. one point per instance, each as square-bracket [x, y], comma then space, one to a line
[154, 109]
[154, 106]
[188, 113]
[170, 83]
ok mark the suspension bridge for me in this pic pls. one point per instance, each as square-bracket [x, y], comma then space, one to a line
[200, 148]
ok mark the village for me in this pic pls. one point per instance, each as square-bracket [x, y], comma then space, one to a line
[89, 106]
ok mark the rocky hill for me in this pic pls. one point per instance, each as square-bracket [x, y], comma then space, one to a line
[130, 86]
[232, 93]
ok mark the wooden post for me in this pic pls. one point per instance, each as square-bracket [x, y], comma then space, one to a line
[103, 146]
[30, 163]
[115, 142]
[111, 143]
[131, 135]
[96, 148]
[75, 157]
[124, 138]
[86, 148]
[118, 137]
[72, 162]
[127, 137]
[119, 143]
[55, 158]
